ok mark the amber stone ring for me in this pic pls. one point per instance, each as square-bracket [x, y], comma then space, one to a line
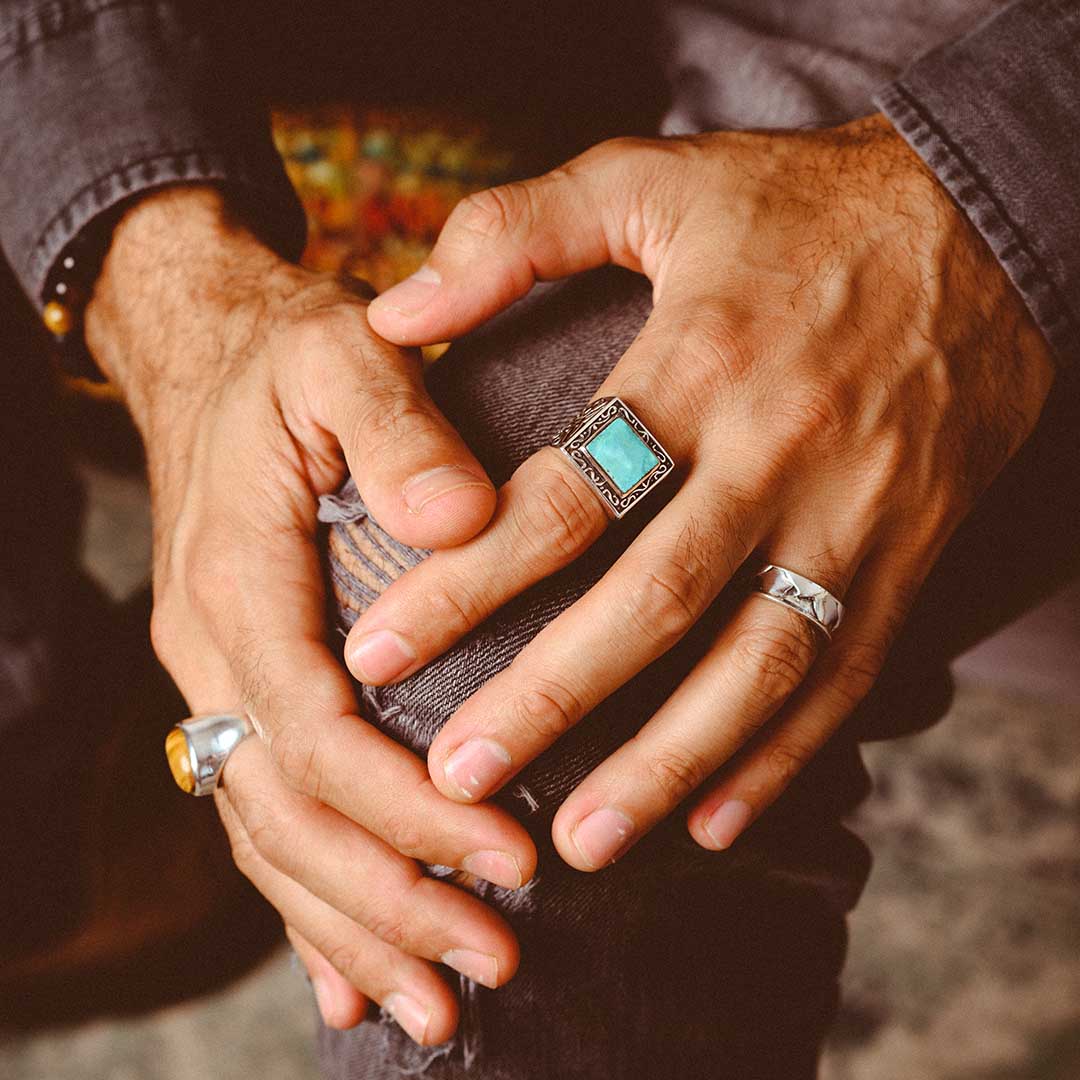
[198, 748]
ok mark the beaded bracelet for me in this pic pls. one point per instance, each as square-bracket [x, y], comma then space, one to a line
[68, 289]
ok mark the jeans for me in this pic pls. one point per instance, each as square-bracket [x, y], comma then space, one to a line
[676, 961]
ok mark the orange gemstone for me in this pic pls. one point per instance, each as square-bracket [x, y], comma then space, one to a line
[176, 750]
[58, 318]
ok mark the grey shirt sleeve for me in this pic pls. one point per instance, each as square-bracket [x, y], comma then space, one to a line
[103, 99]
[996, 115]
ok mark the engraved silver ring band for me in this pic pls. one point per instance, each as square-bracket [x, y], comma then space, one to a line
[811, 600]
[619, 456]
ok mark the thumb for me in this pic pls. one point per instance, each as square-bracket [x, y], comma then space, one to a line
[413, 469]
[497, 243]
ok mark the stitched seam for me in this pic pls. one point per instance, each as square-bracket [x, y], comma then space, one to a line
[118, 171]
[1020, 239]
[34, 28]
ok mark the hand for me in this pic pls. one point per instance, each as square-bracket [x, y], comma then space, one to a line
[252, 381]
[838, 365]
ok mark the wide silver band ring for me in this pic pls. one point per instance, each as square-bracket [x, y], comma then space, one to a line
[197, 749]
[811, 600]
[619, 456]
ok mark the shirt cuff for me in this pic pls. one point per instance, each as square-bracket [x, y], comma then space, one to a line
[103, 99]
[996, 116]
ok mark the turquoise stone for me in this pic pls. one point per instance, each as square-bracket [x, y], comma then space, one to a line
[621, 454]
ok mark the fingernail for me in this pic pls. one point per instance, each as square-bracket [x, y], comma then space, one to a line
[413, 294]
[495, 866]
[480, 967]
[324, 999]
[602, 836]
[410, 1014]
[421, 489]
[380, 656]
[727, 821]
[476, 767]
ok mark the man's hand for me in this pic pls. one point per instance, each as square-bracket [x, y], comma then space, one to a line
[839, 366]
[253, 382]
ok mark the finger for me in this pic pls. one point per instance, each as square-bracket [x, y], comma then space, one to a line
[548, 514]
[264, 604]
[498, 242]
[637, 611]
[877, 604]
[363, 878]
[412, 468]
[408, 988]
[756, 663]
[341, 1005]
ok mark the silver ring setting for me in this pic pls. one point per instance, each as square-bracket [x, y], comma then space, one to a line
[615, 452]
[811, 600]
[198, 748]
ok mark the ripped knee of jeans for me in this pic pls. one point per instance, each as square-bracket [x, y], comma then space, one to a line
[362, 557]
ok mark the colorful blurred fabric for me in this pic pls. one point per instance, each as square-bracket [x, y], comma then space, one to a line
[377, 185]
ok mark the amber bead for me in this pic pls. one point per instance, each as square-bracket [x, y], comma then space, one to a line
[58, 318]
[176, 750]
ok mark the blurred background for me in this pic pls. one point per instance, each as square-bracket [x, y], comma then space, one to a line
[964, 960]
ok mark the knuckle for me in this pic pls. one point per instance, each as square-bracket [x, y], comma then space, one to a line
[661, 609]
[346, 957]
[407, 838]
[454, 607]
[328, 329]
[669, 600]
[611, 151]
[703, 365]
[888, 457]
[245, 855]
[775, 656]
[294, 749]
[265, 829]
[857, 668]
[557, 515]
[676, 772]
[388, 412]
[786, 758]
[546, 711]
[493, 212]
[388, 924]
[164, 632]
